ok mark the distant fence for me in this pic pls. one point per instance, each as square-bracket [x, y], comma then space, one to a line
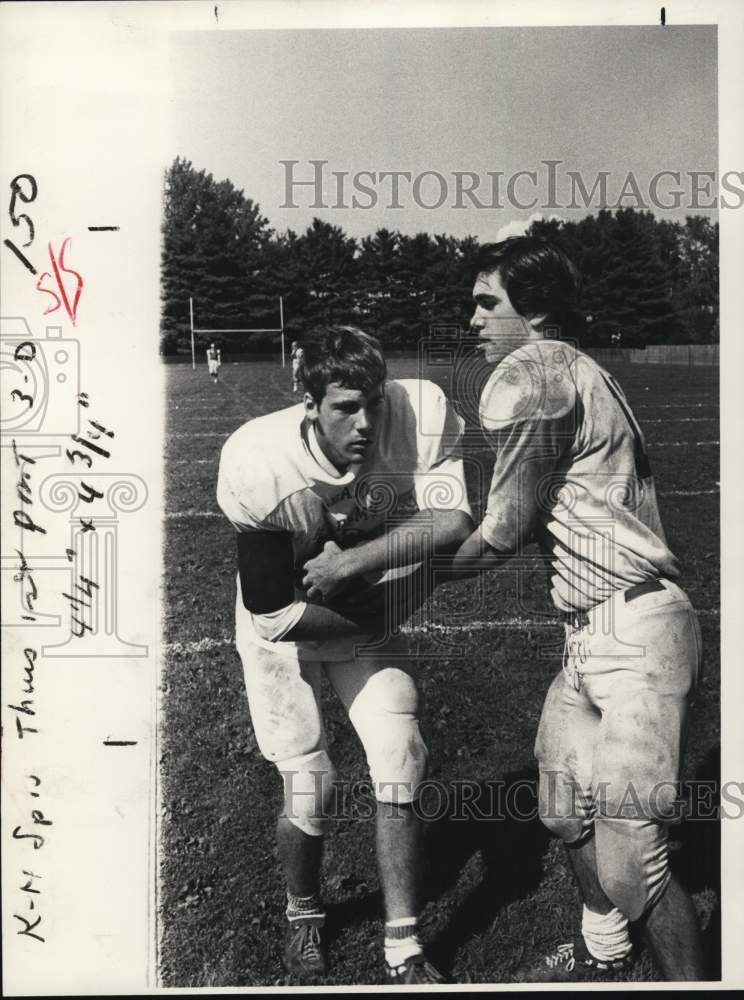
[659, 354]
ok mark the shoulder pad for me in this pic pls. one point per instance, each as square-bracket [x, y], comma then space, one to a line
[256, 472]
[427, 401]
[533, 383]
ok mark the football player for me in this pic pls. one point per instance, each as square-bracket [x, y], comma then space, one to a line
[360, 468]
[214, 360]
[571, 471]
[296, 356]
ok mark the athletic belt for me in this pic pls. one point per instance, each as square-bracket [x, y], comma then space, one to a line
[580, 618]
[639, 589]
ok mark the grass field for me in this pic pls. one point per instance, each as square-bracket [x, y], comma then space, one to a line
[499, 891]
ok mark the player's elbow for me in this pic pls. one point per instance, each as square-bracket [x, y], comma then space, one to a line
[455, 526]
[278, 626]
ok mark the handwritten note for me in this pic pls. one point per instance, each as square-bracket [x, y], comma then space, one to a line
[80, 447]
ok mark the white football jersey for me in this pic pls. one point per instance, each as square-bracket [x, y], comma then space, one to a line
[274, 477]
[571, 471]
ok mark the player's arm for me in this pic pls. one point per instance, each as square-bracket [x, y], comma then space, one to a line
[379, 609]
[525, 483]
[476, 555]
[425, 534]
[266, 568]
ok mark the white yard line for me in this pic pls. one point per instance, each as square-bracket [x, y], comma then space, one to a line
[207, 644]
[680, 420]
[681, 444]
[687, 493]
[179, 515]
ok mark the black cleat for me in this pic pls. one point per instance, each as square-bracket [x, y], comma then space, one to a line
[304, 950]
[416, 970]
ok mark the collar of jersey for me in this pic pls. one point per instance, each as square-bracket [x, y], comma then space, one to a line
[329, 470]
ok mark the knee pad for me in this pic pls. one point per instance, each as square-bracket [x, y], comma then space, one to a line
[385, 715]
[632, 863]
[563, 808]
[308, 787]
[398, 761]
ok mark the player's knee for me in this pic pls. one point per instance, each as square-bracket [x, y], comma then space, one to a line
[632, 864]
[398, 763]
[562, 810]
[385, 714]
[664, 802]
[308, 788]
[391, 692]
[569, 829]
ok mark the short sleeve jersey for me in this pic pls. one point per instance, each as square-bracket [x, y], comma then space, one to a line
[274, 477]
[571, 472]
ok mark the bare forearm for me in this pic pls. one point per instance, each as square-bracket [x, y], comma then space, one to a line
[322, 622]
[374, 609]
[475, 556]
[423, 534]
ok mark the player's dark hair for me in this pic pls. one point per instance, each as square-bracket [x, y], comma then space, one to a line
[342, 354]
[538, 278]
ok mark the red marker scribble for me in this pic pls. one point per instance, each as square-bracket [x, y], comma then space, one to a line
[59, 268]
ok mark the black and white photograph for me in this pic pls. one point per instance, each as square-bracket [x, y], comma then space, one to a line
[441, 258]
[371, 409]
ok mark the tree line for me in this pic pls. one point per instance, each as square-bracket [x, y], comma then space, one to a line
[645, 280]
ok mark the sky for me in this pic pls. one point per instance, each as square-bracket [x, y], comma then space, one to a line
[486, 101]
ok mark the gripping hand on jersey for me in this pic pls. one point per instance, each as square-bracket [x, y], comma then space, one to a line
[326, 574]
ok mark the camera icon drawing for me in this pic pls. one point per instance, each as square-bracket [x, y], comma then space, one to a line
[40, 381]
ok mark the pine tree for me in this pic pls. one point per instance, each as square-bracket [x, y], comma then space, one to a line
[213, 241]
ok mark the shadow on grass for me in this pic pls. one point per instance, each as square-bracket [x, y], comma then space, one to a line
[697, 857]
[497, 820]
[353, 912]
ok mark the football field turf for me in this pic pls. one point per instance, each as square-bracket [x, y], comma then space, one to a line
[498, 888]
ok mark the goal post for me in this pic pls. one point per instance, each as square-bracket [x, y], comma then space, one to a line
[279, 329]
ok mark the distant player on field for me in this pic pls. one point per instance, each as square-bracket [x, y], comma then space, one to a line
[315, 485]
[571, 471]
[296, 356]
[214, 360]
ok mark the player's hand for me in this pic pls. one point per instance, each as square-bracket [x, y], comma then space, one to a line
[324, 576]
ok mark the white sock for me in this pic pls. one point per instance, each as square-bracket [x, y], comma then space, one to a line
[401, 940]
[606, 935]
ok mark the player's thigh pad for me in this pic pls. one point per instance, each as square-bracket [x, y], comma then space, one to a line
[283, 698]
[632, 862]
[564, 747]
[383, 702]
